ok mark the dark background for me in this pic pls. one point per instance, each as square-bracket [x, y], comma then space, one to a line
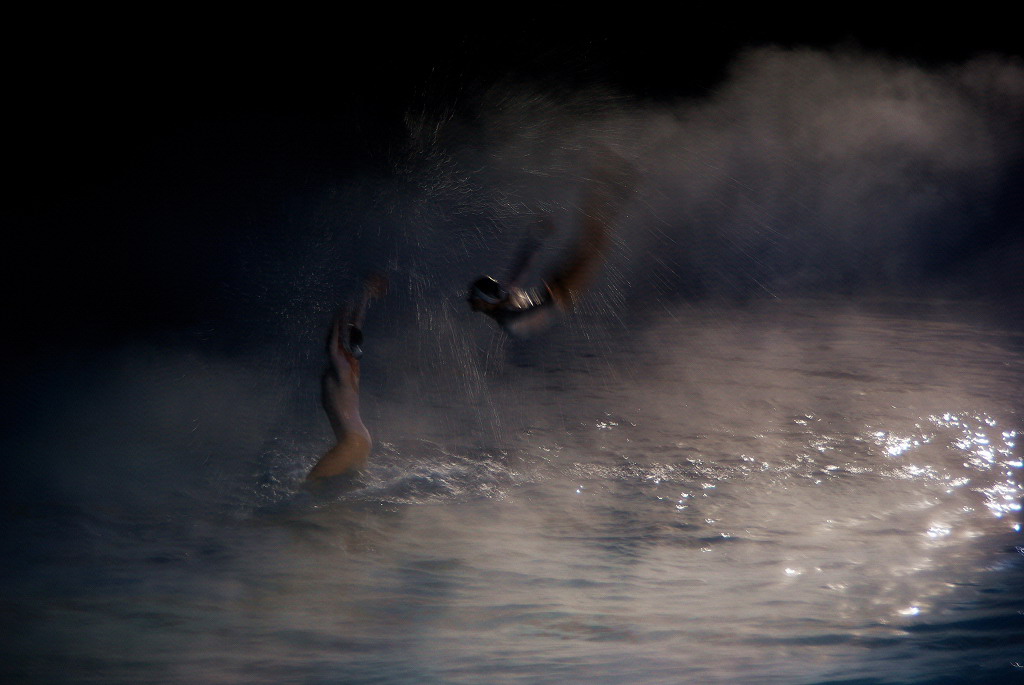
[141, 150]
[145, 152]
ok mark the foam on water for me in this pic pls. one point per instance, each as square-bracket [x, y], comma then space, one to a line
[795, 492]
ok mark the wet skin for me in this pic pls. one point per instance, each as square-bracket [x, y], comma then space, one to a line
[521, 311]
[340, 391]
[340, 397]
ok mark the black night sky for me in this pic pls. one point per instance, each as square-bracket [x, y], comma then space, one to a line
[138, 156]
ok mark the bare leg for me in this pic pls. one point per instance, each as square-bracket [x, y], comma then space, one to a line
[528, 251]
[603, 198]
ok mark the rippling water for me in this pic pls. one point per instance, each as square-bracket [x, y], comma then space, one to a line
[793, 492]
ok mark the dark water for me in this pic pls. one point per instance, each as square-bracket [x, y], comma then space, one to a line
[792, 492]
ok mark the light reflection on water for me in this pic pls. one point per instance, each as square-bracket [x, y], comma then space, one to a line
[774, 495]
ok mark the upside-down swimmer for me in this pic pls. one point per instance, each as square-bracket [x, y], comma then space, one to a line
[522, 311]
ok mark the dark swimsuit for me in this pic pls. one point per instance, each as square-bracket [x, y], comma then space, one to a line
[524, 311]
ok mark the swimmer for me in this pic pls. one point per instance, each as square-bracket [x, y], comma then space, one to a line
[522, 311]
[340, 390]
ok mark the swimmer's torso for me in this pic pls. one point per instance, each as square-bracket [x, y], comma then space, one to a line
[340, 398]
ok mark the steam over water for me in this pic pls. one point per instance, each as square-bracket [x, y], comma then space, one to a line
[778, 442]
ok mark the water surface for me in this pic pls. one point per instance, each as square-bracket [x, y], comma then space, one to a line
[784, 492]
